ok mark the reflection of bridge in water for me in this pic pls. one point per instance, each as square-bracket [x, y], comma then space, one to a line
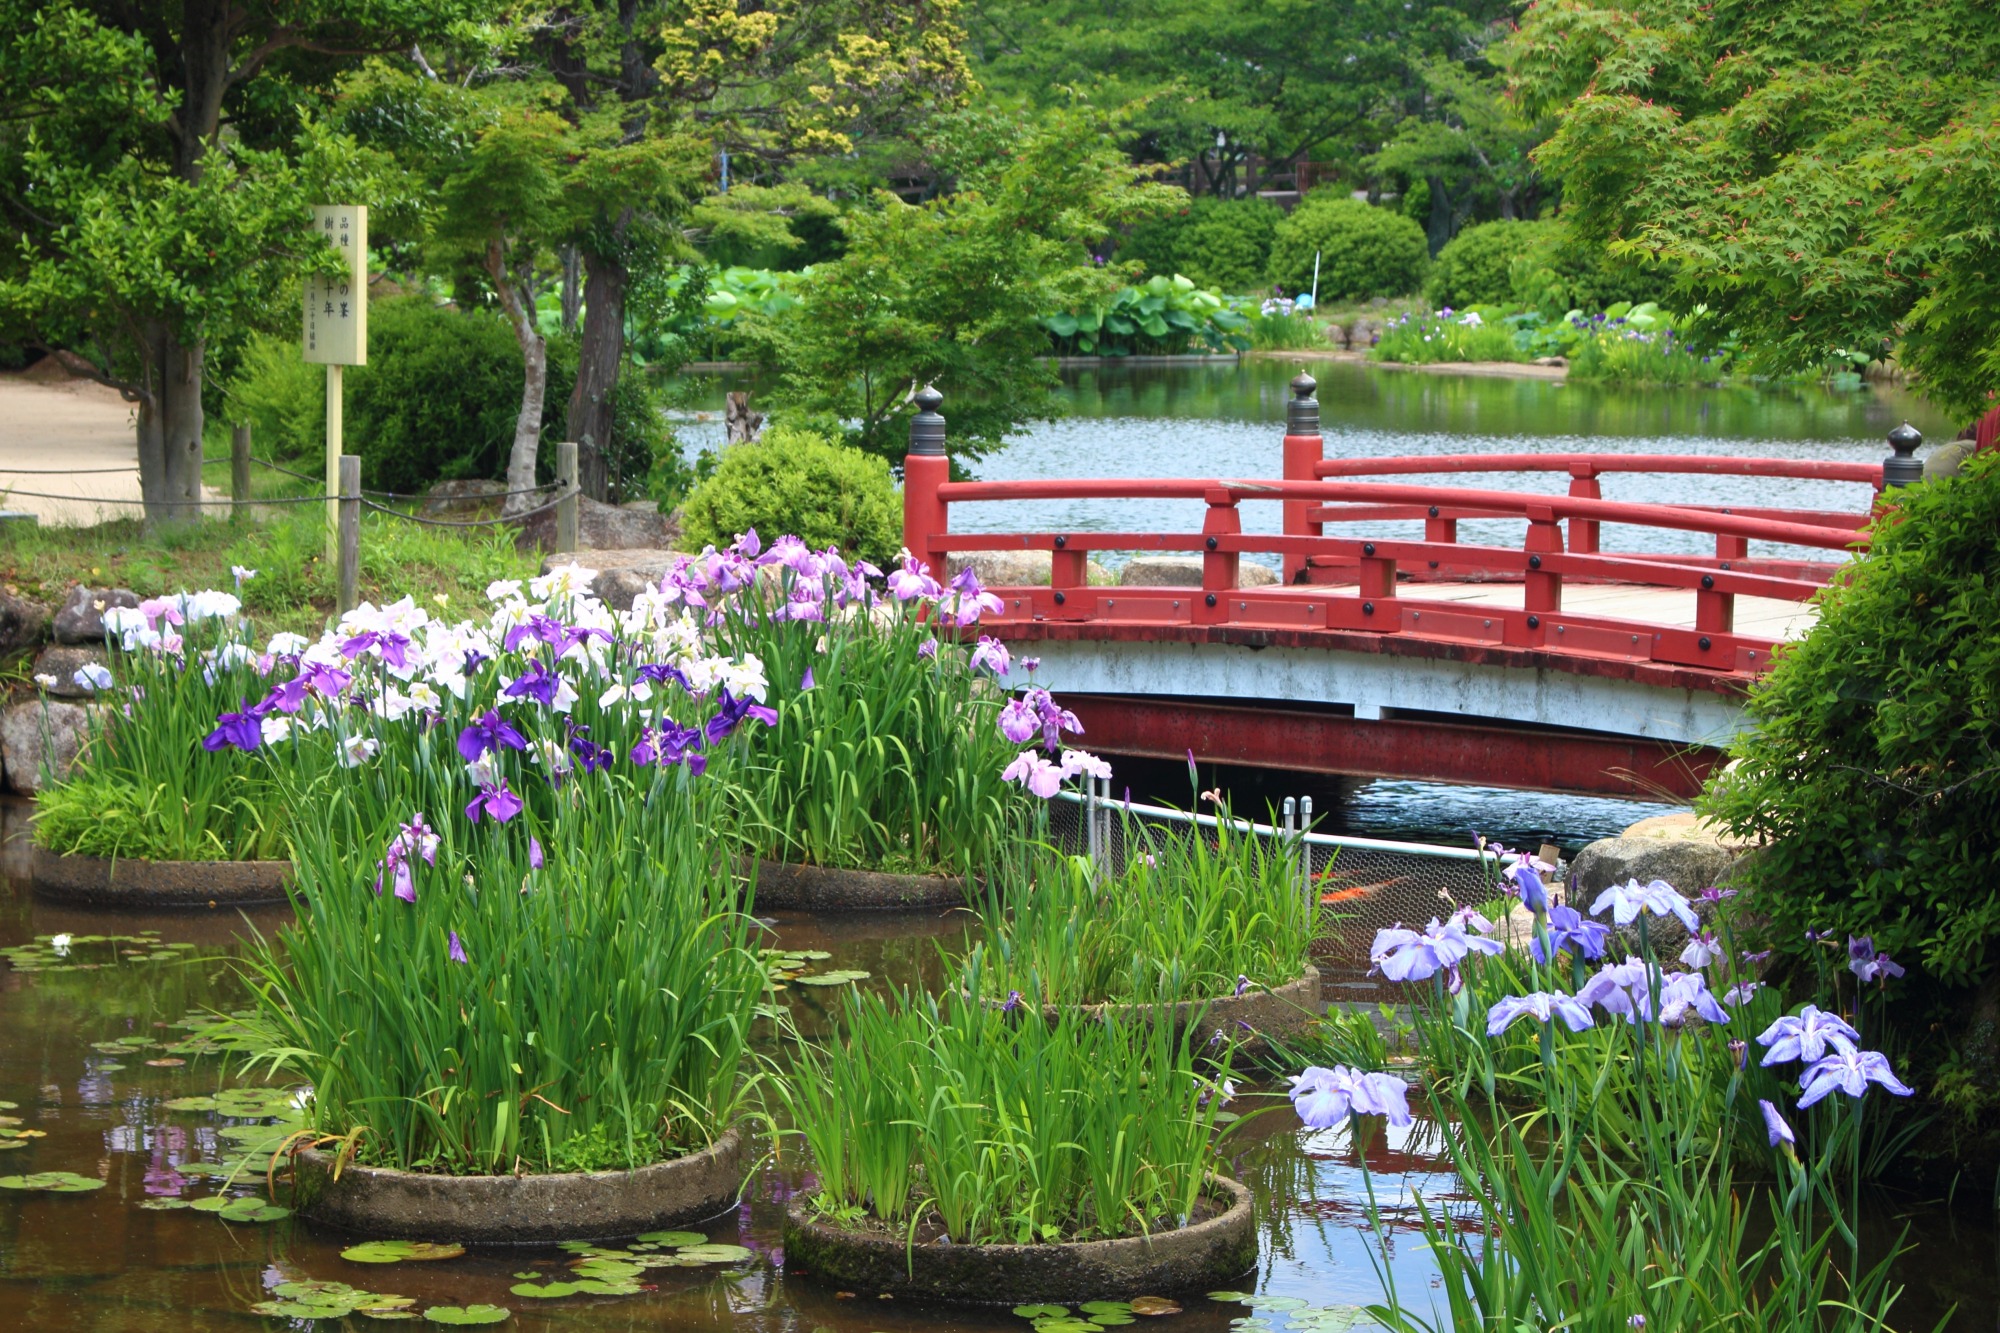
[1552, 665]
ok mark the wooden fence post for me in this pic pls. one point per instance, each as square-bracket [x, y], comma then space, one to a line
[567, 503]
[349, 557]
[239, 470]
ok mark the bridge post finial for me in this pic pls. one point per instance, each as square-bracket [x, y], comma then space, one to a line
[1305, 449]
[1903, 466]
[1302, 412]
[925, 468]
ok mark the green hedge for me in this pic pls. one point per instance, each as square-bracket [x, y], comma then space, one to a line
[1219, 243]
[1475, 266]
[1874, 765]
[1364, 252]
[798, 481]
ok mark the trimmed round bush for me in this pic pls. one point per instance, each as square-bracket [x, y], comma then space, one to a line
[1364, 251]
[798, 481]
[1475, 266]
[1220, 243]
[1870, 769]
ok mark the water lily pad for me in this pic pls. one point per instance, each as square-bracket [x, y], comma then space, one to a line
[468, 1314]
[1112, 1318]
[716, 1254]
[165, 1205]
[1154, 1306]
[301, 1310]
[52, 1182]
[546, 1291]
[529, 1276]
[1105, 1307]
[1042, 1311]
[107, 1067]
[840, 978]
[254, 1211]
[1280, 1303]
[166, 1062]
[1329, 1318]
[189, 1104]
[674, 1238]
[607, 1270]
[1239, 1297]
[400, 1251]
[257, 1101]
[1065, 1326]
[8, 1144]
[315, 1291]
[10, 1106]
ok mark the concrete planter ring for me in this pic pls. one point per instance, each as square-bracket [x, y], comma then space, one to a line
[785, 886]
[1220, 1246]
[102, 882]
[1250, 1019]
[528, 1209]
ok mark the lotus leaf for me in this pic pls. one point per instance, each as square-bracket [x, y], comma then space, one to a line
[53, 1182]
[1042, 1311]
[546, 1291]
[301, 1310]
[468, 1314]
[165, 1205]
[1279, 1303]
[674, 1238]
[607, 1270]
[10, 1106]
[716, 1254]
[190, 1104]
[1105, 1307]
[1240, 1297]
[315, 1291]
[1112, 1318]
[400, 1251]
[1065, 1326]
[167, 1062]
[108, 1067]
[7, 1144]
[841, 978]
[530, 1276]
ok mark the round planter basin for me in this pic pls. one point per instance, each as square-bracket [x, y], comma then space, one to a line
[102, 882]
[785, 886]
[579, 1205]
[1251, 1019]
[1217, 1249]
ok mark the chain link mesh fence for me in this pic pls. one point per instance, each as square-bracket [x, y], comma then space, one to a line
[1362, 884]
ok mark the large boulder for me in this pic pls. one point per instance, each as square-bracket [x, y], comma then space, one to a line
[621, 575]
[23, 623]
[464, 499]
[80, 619]
[1946, 459]
[605, 527]
[1016, 569]
[33, 730]
[56, 667]
[1184, 571]
[1689, 864]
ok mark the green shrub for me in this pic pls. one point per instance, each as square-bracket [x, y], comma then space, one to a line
[1363, 251]
[1872, 769]
[1221, 243]
[1562, 272]
[799, 482]
[1474, 267]
[1160, 317]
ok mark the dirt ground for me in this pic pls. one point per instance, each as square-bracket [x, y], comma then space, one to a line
[55, 433]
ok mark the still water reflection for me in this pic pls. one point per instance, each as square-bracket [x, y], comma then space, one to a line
[100, 1262]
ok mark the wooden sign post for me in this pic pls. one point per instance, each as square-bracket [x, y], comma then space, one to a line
[337, 330]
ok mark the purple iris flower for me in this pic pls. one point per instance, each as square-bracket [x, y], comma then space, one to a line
[1849, 1071]
[969, 601]
[732, 713]
[412, 841]
[1620, 988]
[242, 730]
[1018, 720]
[748, 543]
[1808, 1036]
[660, 673]
[927, 649]
[541, 628]
[1627, 900]
[1685, 993]
[1868, 965]
[491, 732]
[1324, 1098]
[1405, 955]
[670, 744]
[1543, 1007]
[289, 697]
[1528, 884]
[589, 753]
[456, 950]
[391, 647]
[1570, 929]
[1774, 1123]
[913, 580]
[534, 852]
[806, 681]
[495, 801]
[992, 654]
[1013, 1002]
[537, 683]
[325, 680]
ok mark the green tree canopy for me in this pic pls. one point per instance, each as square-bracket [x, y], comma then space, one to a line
[1820, 172]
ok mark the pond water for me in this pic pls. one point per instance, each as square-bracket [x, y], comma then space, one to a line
[102, 1261]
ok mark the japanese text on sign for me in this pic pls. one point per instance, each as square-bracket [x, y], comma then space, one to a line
[337, 307]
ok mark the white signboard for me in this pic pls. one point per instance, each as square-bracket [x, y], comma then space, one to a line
[337, 308]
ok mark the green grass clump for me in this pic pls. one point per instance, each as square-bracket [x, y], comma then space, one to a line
[1470, 335]
[1186, 918]
[958, 1114]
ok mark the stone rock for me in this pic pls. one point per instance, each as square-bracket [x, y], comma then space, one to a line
[465, 498]
[1017, 569]
[604, 527]
[619, 588]
[1184, 571]
[1551, 361]
[621, 575]
[1685, 824]
[22, 731]
[63, 661]
[80, 619]
[22, 623]
[1688, 864]
[1947, 459]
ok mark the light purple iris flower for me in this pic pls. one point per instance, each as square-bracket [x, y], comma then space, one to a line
[992, 654]
[913, 580]
[1685, 993]
[1850, 1071]
[1406, 955]
[490, 732]
[806, 681]
[537, 683]
[1528, 885]
[1543, 1007]
[968, 600]
[1034, 772]
[1620, 988]
[456, 950]
[1626, 901]
[1807, 1036]
[1325, 1098]
[243, 730]
[1701, 951]
[1864, 962]
[413, 840]
[391, 647]
[1774, 1123]
[928, 649]
[534, 852]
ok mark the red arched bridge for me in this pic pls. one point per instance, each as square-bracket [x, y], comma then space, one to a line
[1550, 665]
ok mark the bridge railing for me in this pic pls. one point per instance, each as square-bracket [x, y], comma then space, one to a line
[1304, 602]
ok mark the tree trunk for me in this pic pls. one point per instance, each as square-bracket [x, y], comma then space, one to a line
[606, 283]
[181, 427]
[1439, 230]
[534, 381]
[572, 287]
